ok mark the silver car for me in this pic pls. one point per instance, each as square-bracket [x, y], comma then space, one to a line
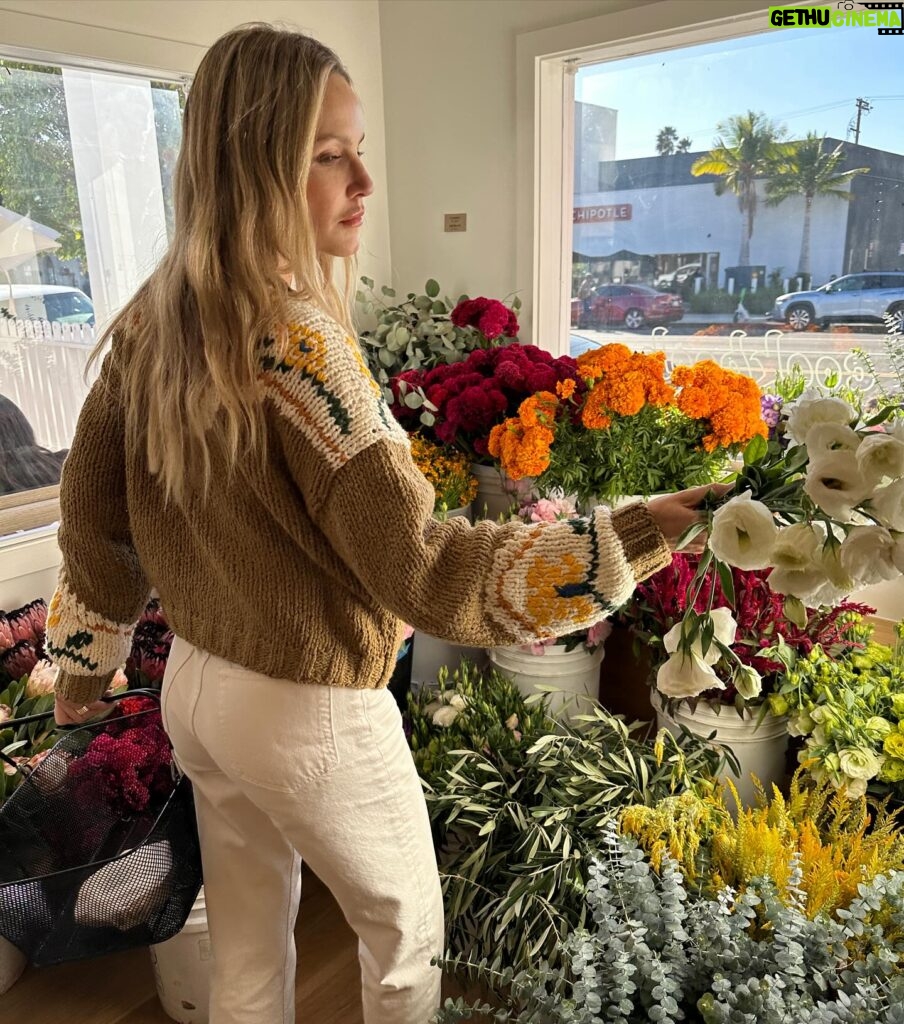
[854, 298]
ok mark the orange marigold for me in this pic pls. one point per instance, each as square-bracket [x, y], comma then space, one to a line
[565, 388]
[595, 414]
[604, 360]
[539, 409]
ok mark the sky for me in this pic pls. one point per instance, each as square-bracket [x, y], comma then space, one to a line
[805, 79]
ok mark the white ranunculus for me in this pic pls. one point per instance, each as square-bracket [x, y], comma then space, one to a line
[835, 484]
[748, 682]
[868, 555]
[813, 409]
[724, 630]
[743, 533]
[797, 547]
[887, 503]
[831, 437]
[879, 456]
[686, 675]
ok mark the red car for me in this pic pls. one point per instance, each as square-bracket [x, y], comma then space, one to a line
[626, 305]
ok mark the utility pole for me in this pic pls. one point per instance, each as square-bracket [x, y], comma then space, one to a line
[863, 107]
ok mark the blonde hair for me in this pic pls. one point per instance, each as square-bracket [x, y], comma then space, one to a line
[188, 338]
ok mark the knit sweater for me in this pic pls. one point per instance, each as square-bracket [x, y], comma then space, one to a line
[304, 565]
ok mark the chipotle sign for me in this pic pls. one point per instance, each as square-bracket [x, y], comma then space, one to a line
[598, 214]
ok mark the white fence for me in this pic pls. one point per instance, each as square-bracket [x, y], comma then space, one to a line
[43, 370]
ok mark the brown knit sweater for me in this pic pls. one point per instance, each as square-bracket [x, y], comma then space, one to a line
[305, 565]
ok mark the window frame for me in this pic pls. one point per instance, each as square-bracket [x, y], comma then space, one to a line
[547, 61]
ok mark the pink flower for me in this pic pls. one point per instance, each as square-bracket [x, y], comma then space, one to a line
[548, 510]
[598, 633]
[42, 679]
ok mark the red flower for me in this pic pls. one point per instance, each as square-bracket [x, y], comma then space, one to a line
[491, 317]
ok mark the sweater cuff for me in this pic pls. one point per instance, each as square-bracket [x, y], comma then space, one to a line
[645, 547]
[82, 689]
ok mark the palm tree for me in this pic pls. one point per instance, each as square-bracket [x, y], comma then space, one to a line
[748, 146]
[665, 141]
[684, 144]
[811, 172]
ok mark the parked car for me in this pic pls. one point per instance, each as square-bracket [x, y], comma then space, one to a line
[854, 298]
[679, 276]
[52, 302]
[627, 305]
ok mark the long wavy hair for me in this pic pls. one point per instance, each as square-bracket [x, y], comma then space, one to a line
[186, 342]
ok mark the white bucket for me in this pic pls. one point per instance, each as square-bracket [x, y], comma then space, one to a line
[430, 653]
[760, 750]
[182, 969]
[574, 673]
[12, 964]
[497, 495]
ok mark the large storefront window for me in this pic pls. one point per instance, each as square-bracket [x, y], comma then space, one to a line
[742, 200]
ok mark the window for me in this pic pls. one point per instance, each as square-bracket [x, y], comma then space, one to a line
[669, 160]
[86, 164]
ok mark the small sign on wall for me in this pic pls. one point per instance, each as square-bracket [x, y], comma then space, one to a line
[456, 222]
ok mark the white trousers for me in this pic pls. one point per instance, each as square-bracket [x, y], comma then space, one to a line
[284, 771]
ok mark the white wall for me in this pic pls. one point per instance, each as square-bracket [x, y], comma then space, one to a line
[169, 35]
[449, 80]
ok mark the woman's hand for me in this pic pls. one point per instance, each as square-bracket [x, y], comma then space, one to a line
[67, 712]
[674, 513]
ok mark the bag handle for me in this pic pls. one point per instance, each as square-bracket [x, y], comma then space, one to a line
[15, 723]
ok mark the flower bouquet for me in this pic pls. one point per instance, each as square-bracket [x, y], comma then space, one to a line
[751, 625]
[448, 471]
[820, 508]
[459, 404]
[618, 427]
[426, 330]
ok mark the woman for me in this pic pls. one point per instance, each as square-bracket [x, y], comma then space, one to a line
[236, 455]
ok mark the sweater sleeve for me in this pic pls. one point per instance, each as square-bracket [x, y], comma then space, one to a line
[101, 589]
[482, 585]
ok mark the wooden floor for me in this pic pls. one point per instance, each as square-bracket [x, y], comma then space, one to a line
[120, 989]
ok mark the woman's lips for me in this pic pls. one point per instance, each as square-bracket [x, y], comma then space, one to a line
[354, 222]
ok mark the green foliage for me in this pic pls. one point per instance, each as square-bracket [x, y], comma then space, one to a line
[22, 742]
[711, 300]
[518, 800]
[653, 953]
[413, 334]
[602, 465]
[37, 173]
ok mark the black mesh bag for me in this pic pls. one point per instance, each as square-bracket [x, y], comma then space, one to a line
[98, 843]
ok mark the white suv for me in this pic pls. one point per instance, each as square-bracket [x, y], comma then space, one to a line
[854, 298]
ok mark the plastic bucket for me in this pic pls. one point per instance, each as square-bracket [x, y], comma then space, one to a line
[497, 495]
[760, 750]
[430, 653]
[182, 969]
[574, 673]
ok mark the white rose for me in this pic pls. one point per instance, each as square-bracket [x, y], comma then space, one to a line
[811, 410]
[868, 555]
[835, 484]
[724, 630]
[880, 456]
[888, 505]
[797, 547]
[748, 682]
[743, 533]
[686, 675]
[831, 437]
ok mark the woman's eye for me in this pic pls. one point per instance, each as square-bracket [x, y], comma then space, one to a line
[328, 158]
